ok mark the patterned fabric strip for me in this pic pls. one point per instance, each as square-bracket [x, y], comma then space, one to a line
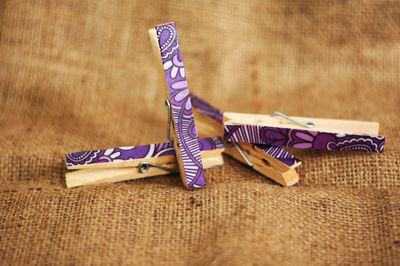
[303, 139]
[135, 152]
[181, 106]
[206, 109]
[277, 152]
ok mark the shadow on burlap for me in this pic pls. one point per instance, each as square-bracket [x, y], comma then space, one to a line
[79, 75]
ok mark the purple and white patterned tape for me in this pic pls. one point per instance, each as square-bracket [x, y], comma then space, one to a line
[277, 152]
[181, 106]
[134, 152]
[303, 139]
[206, 109]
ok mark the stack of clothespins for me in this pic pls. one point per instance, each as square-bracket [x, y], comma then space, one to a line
[255, 140]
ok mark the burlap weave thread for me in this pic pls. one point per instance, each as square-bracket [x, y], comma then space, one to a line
[77, 75]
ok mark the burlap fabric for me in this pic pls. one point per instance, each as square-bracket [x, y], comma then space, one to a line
[78, 75]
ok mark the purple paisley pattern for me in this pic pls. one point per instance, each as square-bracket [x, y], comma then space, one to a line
[135, 152]
[182, 113]
[277, 152]
[206, 109]
[303, 139]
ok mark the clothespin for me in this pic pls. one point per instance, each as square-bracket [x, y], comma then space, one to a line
[165, 43]
[303, 132]
[271, 161]
[184, 150]
[135, 162]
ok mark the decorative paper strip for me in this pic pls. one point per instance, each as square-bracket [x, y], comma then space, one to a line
[134, 152]
[217, 115]
[206, 109]
[279, 154]
[187, 146]
[299, 138]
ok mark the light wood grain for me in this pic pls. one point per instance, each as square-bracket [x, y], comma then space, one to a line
[206, 126]
[124, 163]
[262, 162]
[321, 125]
[86, 177]
[265, 164]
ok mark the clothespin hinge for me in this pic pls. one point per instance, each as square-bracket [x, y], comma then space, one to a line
[144, 167]
[308, 124]
[241, 152]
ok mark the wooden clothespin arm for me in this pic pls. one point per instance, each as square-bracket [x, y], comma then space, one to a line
[165, 44]
[326, 134]
[281, 172]
[127, 163]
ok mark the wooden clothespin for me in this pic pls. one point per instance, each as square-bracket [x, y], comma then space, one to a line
[271, 161]
[303, 132]
[135, 162]
[165, 43]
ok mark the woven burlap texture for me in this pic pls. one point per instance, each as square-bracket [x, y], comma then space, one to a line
[79, 75]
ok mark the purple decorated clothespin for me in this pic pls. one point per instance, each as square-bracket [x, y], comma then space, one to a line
[303, 133]
[184, 153]
[165, 42]
[271, 161]
[134, 162]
